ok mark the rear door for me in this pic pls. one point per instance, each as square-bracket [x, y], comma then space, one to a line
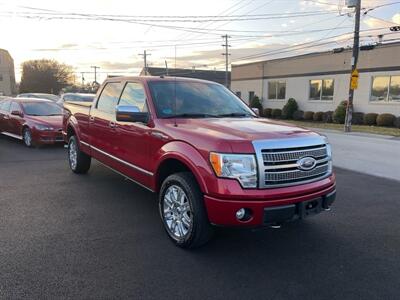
[4, 115]
[102, 123]
[15, 122]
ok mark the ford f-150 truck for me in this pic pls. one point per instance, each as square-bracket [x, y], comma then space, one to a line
[209, 157]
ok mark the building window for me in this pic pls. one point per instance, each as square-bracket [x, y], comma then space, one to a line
[321, 89]
[251, 95]
[239, 94]
[276, 90]
[1, 77]
[385, 89]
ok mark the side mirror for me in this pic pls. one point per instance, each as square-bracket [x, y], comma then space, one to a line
[256, 111]
[17, 113]
[130, 113]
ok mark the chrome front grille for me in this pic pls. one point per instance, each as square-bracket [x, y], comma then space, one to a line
[293, 155]
[280, 161]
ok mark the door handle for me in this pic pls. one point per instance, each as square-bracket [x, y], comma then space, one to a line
[112, 124]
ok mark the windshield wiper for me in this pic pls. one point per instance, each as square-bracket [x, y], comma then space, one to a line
[235, 115]
[191, 115]
[54, 115]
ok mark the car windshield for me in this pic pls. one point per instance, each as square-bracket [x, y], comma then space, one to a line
[42, 109]
[196, 100]
[79, 98]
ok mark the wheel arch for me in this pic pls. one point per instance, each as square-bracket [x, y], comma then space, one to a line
[173, 163]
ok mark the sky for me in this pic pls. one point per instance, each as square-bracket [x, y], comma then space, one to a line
[187, 34]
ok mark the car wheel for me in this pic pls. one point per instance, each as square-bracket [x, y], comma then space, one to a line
[183, 212]
[79, 162]
[27, 137]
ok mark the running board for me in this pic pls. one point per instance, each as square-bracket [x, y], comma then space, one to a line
[12, 135]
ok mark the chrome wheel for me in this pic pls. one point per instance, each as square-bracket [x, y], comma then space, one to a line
[72, 154]
[27, 138]
[176, 212]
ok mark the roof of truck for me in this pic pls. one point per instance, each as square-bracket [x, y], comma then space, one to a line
[157, 78]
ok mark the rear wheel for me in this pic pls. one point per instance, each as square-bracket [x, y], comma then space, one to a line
[182, 211]
[27, 137]
[79, 162]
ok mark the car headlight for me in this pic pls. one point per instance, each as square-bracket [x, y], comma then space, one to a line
[43, 127]
[329, 153]
[241, 167]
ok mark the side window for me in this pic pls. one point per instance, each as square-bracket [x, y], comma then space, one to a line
[5, 105]
[134, 94]
[15, 107]
[109, 97]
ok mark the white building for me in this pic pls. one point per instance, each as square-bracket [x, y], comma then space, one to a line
[7, 74]
[320, 81]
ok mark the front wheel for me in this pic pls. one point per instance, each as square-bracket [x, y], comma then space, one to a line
[182, 211]
[79, 162]
[27, 137]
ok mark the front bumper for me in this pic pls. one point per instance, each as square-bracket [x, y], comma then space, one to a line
[223, 212]
[47, 137]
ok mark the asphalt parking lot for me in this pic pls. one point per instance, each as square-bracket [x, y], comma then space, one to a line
[99, 236]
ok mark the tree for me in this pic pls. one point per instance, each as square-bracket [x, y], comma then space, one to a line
[45, 76]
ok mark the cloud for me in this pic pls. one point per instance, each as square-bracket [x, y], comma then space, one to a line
[71, 45]
[120, 65]
[396, 18]
[377, 23]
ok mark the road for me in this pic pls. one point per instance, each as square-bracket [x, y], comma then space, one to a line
[98, 236]
[365, 153]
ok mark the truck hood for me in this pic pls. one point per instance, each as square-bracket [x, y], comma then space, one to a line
[237, 132]
[53, 121]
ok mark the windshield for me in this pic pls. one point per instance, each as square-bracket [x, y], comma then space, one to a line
[196, 99]
[79, 98]
[41, 109]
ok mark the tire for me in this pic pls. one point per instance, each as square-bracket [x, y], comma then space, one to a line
[27, 137]
[79, 162]
[184, 218]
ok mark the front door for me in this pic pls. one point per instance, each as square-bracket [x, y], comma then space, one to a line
[132, 139]
[15, 122]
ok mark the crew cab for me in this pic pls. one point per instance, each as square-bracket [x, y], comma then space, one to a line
[209, 157]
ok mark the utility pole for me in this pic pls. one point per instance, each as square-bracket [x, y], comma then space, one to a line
[95, 72]
[145, 61]
[83, 78]
[226, 54]
[354, 60]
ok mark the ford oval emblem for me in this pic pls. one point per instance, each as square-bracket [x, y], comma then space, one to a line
[306, 163]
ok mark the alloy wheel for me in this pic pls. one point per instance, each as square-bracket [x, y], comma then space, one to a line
[176, 212]
[72, 154]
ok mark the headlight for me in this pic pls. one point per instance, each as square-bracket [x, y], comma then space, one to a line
[43, 127]
[241, 167]
[329, 153]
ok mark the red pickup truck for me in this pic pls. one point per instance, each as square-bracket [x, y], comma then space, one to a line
[209, 157]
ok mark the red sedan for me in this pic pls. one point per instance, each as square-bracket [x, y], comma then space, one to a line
[35, 121]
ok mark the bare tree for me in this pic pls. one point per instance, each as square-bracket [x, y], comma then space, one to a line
[45, 76]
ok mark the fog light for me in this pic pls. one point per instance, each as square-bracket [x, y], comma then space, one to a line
[240, 213]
